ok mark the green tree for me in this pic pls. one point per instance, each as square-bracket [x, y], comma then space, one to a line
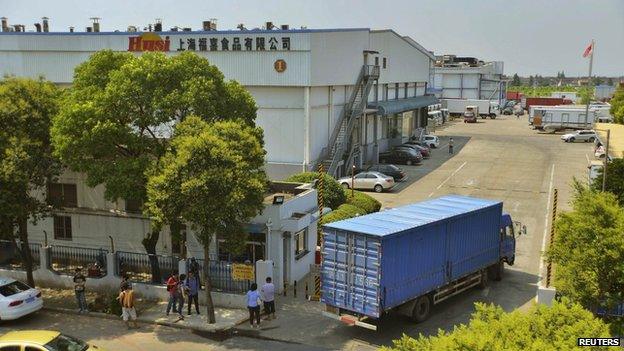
[115, 121]
[213, 177]
[615, 179]
[515, 81]
[588, 251]
[596, 80]
[333, 194]
[617, 105]
[364, 201]
[531, 81]
[26, 161]
[610, 81]
[586, 95]
[541, 328]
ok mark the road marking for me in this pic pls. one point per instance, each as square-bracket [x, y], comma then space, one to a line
[449, 177]
[587, 157]
[546, 216]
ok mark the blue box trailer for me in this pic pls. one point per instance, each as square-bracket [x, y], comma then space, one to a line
[412, 257]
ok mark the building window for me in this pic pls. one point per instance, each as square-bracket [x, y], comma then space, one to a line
[62, 228]
[396, 91]
[301, 243]
[62, 195]
[384, 63]
[134, 206]
[177, 242]
[385, 92]
[406, 88]
[376, 60]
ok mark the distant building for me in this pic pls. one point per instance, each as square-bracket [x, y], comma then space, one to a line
[604, 92]
[469, 78]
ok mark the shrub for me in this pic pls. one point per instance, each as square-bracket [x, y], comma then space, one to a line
[351, 210]
[363, 201]
[333, 195]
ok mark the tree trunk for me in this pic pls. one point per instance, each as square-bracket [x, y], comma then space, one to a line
[210, 312]
[149, 243]
[24, 251]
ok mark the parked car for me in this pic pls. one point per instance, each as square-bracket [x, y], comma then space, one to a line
[470, 115]
[18, 299]
[580, 135]
[395, 172]
[369, 181]
[432, 141]
[417, 142]
[43, 340]
[424, 151]
[401, 156]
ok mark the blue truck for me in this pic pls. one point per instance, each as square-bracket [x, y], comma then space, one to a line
[412, 257]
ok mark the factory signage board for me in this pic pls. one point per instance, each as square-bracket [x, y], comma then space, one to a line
[153, 42]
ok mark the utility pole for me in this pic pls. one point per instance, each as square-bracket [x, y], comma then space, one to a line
[589, 82]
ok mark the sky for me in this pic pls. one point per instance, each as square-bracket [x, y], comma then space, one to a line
[529, 36]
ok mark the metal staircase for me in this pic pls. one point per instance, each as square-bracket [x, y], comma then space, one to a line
[341, 147]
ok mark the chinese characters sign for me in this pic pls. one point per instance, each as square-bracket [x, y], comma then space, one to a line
[242, 271]
[153, 42]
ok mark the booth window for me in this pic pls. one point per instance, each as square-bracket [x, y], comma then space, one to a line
[62, 195]
[301, 243]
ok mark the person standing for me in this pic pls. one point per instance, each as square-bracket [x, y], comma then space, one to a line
[192, 286]
[181, 290]
[79, 289]
[172, 288]
[268, 296]
[128, 313]
[194, 268]
[125, 280]
[253, 297]
[451, 142]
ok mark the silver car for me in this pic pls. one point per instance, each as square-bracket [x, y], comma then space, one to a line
[368, 181]
[587, 136]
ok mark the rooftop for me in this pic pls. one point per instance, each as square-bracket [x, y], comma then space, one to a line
[286, 189]
[616, 139]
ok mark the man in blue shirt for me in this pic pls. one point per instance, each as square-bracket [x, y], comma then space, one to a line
[192, 286]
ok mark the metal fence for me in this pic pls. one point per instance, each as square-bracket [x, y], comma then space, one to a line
[11, 259]
[220, 273]
[139, 266]
[65, 260]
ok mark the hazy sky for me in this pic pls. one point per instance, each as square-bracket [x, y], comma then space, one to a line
[530, 36]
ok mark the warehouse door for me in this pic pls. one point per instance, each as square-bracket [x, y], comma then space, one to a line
[350, 271]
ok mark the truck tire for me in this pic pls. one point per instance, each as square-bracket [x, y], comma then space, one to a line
[485, 281]
[492, 116]
[422, 309]
[497, 271]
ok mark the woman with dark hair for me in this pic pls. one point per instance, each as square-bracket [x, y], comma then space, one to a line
[253, 305]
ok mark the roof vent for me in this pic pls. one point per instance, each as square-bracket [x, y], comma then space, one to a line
[38, 27]
[89, 29]
[19, 27]
[71, 29]
[209, 25]
[174, 29]
[158, 25]
[269, 26]
[241, 26]
[186, 29]
[46, 26]
[285, 27]
[96, 24]
[132, 29]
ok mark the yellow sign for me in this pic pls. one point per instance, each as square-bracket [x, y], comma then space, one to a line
[242, 271]
[280, 65]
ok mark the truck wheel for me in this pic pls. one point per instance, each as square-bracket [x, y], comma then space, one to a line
[484, 280]
[422, 309]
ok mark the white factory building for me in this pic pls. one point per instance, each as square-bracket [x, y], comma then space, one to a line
[468, 78]
[301, 81]
[331, 96]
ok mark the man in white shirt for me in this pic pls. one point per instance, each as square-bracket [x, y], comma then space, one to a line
[268, 296]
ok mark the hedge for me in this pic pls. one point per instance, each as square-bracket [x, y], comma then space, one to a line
[363, 201]
[333, 194]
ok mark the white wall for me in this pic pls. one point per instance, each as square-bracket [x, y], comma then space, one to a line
[405, 63]
[337, 57]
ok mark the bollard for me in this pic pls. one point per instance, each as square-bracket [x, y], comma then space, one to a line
[284, 289]
[306, 291]
[317, 289]
[295, 289]
[552, 236]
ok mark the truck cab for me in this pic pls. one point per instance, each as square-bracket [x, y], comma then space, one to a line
[471, 113]
[508, 231]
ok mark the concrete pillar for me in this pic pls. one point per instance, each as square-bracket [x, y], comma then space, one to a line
[44, 254]
[182, 266]
[264, 269]
[111, 265]
[545, 295]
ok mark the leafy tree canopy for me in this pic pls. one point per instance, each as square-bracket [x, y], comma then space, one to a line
[364, 201]
[541, 328]
[615, 179]
[617, 105]
[588, 251]
[115, 122]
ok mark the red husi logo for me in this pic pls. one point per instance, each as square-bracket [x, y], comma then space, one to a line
[148, 42]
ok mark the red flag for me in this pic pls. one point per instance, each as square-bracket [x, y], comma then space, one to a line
[588, 51]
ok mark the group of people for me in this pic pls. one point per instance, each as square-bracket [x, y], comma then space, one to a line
[266, 296]
[180, 288]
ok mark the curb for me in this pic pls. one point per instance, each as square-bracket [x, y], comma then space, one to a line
[148, 321]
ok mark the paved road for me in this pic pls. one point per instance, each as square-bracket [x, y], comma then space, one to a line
[112, 335]
[500, 159]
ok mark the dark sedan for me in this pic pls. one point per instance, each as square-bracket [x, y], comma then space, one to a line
[406, 156]
[389, 170]
[424, 150]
